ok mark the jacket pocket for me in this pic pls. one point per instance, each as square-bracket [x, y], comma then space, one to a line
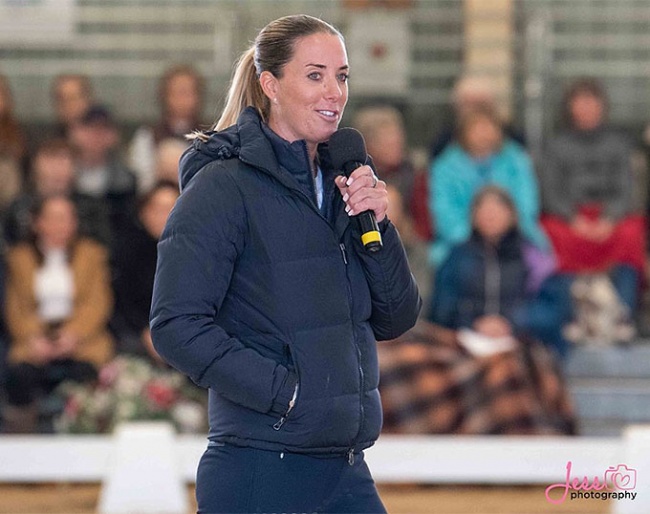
[293, 372]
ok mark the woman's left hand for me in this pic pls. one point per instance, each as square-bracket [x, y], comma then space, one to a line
[65, 344]
[363, 191]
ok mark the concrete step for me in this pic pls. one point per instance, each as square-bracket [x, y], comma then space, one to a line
[601, 427]
[628, 404]
[629, 361]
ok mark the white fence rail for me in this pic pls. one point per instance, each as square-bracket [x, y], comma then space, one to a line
[394, 459]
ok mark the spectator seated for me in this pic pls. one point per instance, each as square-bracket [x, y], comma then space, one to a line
[471, 368]
[58, 302]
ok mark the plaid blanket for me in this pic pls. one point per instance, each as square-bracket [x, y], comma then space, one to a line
[430, 385]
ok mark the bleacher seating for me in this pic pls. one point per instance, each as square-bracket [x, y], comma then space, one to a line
[610, 387]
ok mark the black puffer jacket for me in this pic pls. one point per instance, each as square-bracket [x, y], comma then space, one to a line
[480, 278]
[256, 289]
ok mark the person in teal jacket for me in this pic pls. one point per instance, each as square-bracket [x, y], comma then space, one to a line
[480, 156]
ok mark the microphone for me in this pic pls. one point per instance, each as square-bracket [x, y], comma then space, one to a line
[348, 151]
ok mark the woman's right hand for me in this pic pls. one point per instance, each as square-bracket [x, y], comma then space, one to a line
[363, 191]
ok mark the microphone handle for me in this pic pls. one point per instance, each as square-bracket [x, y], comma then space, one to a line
[366, 220]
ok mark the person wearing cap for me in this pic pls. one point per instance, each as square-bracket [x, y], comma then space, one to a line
[100, 173]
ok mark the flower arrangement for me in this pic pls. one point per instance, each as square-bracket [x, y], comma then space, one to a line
[129, 389]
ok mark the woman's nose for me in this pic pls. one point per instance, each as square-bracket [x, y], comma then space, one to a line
[333, 89]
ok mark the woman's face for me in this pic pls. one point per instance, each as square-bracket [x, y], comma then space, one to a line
[56, 225]
[53, 173]
[182, 99]
[482, 137]
[387, 147]
[154, 214]
[71, 100]
[307, 102]
[493, 218]
[587, 111]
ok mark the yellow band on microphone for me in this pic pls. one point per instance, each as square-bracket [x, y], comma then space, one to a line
[370, 237]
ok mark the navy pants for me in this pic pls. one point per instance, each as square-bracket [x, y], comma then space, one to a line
[233, 479]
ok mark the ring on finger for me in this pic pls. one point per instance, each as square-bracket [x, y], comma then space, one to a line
[375, 180]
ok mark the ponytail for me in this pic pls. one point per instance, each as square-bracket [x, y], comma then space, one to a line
[245, 91]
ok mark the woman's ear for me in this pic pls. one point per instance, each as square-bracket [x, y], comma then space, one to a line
[269, 85]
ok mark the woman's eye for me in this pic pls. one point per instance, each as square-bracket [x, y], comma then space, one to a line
[314, 75]
[344, 77]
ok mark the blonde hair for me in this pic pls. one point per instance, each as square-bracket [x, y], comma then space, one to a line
[273, 48]
[244, 91]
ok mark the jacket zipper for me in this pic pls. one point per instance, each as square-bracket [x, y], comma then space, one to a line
[358, 351]
[292, 403]
[344, 253]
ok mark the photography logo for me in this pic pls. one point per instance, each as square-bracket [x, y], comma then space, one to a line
[617, 483]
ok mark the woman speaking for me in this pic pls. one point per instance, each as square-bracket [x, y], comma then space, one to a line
[265, 294]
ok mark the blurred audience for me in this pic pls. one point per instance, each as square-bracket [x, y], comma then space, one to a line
[588, 185]
[168, 155]
[4, 339]
[180, 97]
[13, 149]
[12, 137]
[11, 184]
[58, 302]
[470, 93]
[383, 130]
[52, 173]
[473, 364]
[482, 155]
[590, 216]
[416, 249]
[72, 95]
[469, 369]
[134, 265]
[100, 173]
[486, 280]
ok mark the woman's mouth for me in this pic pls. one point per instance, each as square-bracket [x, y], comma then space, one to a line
[331, 115]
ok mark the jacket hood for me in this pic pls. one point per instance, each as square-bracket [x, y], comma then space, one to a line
[208, 147]
[244, 140]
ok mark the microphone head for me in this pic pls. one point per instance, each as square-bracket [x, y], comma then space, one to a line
[347, 145]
